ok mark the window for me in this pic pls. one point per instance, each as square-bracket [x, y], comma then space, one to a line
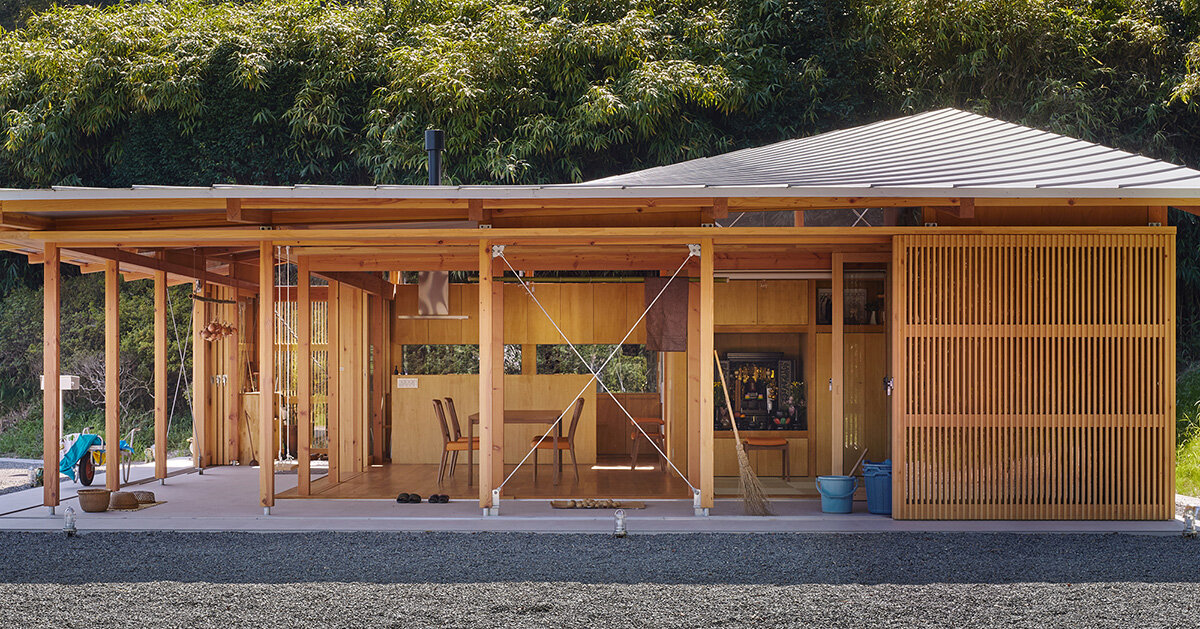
[425, 360]
[632, 369]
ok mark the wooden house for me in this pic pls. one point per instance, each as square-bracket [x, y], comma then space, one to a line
[991, 307]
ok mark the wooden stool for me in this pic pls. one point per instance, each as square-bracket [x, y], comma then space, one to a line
[657, 435]
[770, 443]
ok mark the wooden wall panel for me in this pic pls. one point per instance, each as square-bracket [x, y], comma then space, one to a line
[1039, 376]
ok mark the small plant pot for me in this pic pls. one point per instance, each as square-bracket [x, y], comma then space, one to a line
[94, 500]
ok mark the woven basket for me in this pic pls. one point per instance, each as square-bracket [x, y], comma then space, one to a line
[93, 500]
[123, 500]
[144, 497]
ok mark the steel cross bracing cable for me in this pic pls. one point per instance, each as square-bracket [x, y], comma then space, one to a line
[498, 252]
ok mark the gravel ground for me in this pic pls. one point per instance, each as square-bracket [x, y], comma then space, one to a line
[453, 580]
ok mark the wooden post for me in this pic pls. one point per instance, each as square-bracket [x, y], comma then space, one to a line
[529, 359]
[378, 376]
[333, 367]
[706, 373]
[303, 375]
[491, 377]
[694, 417]
[160, 375]
[498, 383]
[112, 375]
[485, 375]
[233, 383]
[50, 372]
[836, 368]
[266, 375]
[201, 377]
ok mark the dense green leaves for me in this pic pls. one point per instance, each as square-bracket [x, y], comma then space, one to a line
[288, 91]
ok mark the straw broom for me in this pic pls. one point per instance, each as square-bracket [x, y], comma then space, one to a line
[753, 497]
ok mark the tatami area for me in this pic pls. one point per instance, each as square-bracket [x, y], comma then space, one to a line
[226, 499]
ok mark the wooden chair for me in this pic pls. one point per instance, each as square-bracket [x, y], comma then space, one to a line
[455, 428]
[450, 447]
[655, 429]
[770, 443]
[567, 443]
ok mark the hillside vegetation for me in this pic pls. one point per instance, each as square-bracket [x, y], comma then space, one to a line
[290, 91]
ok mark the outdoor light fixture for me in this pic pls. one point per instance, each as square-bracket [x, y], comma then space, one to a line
[69, 522]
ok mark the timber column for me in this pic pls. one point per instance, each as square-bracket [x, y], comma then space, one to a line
[160, 375]
[706, 372]
[50, 372]
[491, 377]
[112, 376]
[266, 376]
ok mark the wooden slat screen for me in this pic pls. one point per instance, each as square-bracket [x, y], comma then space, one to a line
[1035, 376]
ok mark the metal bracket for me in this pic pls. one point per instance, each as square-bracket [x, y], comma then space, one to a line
[1155, 224]
[694, 250]
[495, 508]
[696, 508]
[709, 225]
[931, 224]
[497, 251]
[485, 226]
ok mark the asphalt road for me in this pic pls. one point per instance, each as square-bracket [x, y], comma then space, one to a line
[463, 580]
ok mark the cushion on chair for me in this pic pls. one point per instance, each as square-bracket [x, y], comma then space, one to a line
[634, 434]
[765, 442]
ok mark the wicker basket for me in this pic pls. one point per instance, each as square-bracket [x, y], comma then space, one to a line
[93, 500]
[144, 497]
[123, 500]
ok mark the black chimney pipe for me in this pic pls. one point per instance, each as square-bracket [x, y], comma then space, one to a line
[435, 141]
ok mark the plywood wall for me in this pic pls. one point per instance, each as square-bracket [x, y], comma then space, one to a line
[1035, 376]
[587, 313]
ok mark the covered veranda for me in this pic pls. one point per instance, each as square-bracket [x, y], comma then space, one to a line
[936, 315]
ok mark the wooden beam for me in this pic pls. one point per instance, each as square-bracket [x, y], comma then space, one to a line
[966, 208]
[476, 211]
[201, 380]
[706, 373]
[369, 282]
[1190, 209]
[236, 213]
[172, 265]
[160, 375]
[1156, 214]
[266, 375]
[51, 431]
[17, 220]
[304, 388]
[112, 375]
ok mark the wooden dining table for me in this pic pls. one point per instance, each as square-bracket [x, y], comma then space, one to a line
[544, 417]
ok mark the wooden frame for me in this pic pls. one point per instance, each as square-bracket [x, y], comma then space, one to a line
[940, 271]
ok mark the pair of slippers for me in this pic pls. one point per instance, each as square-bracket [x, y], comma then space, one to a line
[415, 498]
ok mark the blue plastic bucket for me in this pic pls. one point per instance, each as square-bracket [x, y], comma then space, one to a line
[837, 493]
[878, 479]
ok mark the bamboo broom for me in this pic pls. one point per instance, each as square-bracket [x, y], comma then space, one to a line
[753, 497]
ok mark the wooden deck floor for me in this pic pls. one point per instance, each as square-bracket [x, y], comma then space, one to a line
[387, 481]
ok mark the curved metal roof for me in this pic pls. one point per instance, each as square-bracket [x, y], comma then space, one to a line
[947, 148]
